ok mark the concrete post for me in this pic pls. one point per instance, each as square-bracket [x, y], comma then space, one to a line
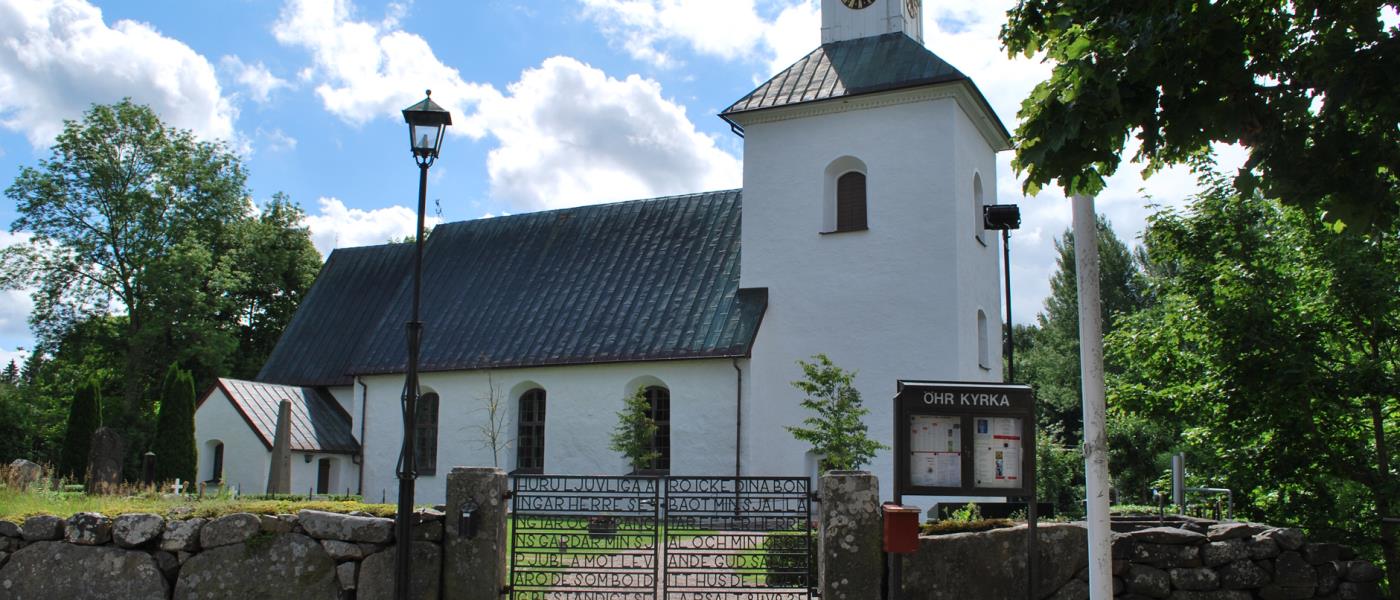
[849, 563]
[474, 566]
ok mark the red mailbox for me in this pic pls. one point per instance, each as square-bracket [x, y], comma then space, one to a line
[901, 528]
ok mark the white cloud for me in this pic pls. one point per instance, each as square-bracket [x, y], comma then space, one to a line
[18, 355]
[276, 140]
[567, 133]
[257, 78]
[571, 135]
[15, 307]
[649, 30]
[60, 56]
[368, 70]
[337, 226]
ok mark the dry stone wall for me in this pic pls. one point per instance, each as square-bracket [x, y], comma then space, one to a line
[1196, 561]
[311, 555]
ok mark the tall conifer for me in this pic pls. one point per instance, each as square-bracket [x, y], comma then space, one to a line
[84, 417]
[174, 444]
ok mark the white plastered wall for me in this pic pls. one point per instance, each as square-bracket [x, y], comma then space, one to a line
[247, 459]
[898, 301]
[581, 411]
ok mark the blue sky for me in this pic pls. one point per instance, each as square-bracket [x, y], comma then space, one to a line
[555, 102]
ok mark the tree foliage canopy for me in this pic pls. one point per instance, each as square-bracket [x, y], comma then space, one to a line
[1273, 347]
[134, 218]
[1308, 87]
[146, 252]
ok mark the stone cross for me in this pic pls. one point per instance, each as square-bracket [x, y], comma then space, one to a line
[178, 487]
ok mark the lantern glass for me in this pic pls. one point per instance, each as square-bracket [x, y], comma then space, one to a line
[425, 138]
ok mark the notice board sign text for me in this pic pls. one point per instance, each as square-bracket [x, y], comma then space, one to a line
[964, 439]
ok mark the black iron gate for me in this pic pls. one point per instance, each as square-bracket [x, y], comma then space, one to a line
[669, 538]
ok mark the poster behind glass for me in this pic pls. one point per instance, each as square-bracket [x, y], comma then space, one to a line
[935, 451]
[996, 452]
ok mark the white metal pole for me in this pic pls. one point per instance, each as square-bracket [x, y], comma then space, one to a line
[1086, 255]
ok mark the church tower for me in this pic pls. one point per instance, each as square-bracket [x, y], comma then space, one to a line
[852, 19]
[866, 165]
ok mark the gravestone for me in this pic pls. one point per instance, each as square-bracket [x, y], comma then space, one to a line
[24, 473]
[279, 476]
[105, 461]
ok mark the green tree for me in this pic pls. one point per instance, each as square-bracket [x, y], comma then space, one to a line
[1273, 346]
[84, 417]
[836, 431]
[1048, 360]
[11, 374]
[146, 252]
[174, 441]
[276, 264]
[635, 435]
[1051, 362]
[1308, 87]
[127, 214]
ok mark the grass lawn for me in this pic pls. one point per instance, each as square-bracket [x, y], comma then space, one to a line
[17, 505]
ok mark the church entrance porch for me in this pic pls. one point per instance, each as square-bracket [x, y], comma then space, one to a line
[672, 538]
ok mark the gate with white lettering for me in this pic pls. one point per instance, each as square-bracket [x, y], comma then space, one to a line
[652, 538]
[739, 538]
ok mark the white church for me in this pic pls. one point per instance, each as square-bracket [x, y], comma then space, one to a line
[858, 234]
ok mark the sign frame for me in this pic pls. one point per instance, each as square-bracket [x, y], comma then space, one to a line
[967, 401]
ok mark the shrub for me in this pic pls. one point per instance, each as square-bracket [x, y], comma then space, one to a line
[84, 417]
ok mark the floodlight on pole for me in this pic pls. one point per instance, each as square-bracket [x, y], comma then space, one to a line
[1004, 218]
[427, 122]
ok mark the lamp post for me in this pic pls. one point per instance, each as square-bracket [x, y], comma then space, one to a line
[427, 122]
[1004, 218]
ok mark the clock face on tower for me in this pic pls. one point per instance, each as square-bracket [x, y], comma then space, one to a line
[857, 4]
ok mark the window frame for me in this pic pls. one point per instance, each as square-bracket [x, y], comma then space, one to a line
[660, 414]
[216, 472]
[537, 430]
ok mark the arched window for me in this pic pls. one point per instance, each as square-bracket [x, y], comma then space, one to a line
[850, 201]
[216, 474]
[425, 438]
[529, 439]
[979, 225]
[659, 404]
[984, 358]
[845, 196]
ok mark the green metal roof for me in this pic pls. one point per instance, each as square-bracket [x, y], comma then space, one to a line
[633, 281]
[351, 293]
[854, 67]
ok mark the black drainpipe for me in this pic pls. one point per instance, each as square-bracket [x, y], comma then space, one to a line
[364, 400]
[738, 418]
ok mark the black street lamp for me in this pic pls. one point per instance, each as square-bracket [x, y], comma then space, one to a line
[427, 122]
[1004, 218]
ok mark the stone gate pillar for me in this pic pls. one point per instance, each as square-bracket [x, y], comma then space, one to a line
[850, 564]
[474, 564]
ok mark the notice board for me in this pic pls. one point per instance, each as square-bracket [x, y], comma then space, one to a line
[964, 439]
